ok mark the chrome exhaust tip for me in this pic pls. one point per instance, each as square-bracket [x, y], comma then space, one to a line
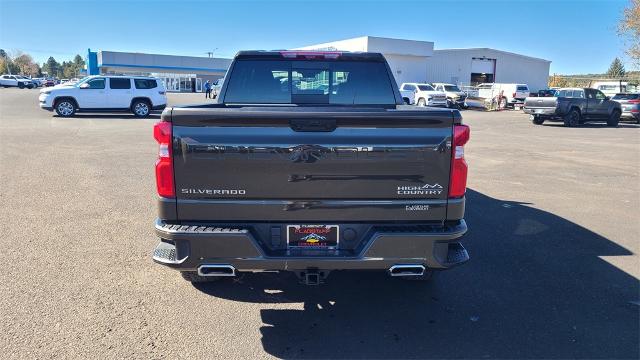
[406, 270]
[216, 270]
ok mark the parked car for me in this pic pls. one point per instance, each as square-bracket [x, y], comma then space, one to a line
[455, 96]
[512, 94]
[630, 105]
[266, 179]
[610, 88]
[422, 95]
[49, 82]
[34, 82]
[15, 81]
[137, 94]
[574, 106]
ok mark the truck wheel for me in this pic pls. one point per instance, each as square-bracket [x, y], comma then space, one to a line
[21, 85]
[193, 277]
[141, 108]
[613, 119]
[572, 119]
[537, 120]
[421, 102]
[65, 108]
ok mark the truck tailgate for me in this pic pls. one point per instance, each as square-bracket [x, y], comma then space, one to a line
[311, 164]
[541, 102]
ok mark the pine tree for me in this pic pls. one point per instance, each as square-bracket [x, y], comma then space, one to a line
[616, 70]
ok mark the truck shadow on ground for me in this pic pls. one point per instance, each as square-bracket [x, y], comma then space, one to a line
[594, 125]
[534, 288]
[123, 116]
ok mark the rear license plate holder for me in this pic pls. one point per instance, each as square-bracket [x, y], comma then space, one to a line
[313, 236]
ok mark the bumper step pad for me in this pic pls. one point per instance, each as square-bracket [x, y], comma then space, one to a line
[456, 255]
[165, 252]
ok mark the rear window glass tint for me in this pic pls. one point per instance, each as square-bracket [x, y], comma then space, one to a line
[145, 83]
[259, 82]
[523, 88]
[117, 83]
[308, 82]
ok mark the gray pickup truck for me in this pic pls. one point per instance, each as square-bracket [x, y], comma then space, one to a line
[574, 106]
[309, 162]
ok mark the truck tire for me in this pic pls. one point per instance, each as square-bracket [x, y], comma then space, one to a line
[537, 120]
[193, 277]
[572, 119]
[21, 85]
[614, 118]
[65, 107]
[141, 108]
[421, 102]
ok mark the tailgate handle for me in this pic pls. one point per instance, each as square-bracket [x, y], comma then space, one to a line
[313, 124]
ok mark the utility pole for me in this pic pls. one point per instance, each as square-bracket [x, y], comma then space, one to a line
[210, 53]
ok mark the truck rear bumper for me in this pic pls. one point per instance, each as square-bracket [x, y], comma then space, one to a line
[540, 111]
[186, 248]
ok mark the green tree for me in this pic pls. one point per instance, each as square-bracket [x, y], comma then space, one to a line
[51, 67]
[69, 69]
[616, 70]
[3, 54]
[78, 61]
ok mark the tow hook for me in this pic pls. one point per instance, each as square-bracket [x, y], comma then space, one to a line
[312, 276]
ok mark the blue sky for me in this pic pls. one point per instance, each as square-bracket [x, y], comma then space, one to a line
[577, 36]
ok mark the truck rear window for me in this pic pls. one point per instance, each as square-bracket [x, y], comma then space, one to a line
[309, 82]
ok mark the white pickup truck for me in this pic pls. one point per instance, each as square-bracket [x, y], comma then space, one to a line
[422, 95]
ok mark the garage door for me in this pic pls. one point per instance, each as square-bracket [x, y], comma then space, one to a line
[482, 66]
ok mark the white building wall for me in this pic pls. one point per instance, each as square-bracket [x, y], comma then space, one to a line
[406, 58]
[407, 68]
[449, 65]
[453, 68]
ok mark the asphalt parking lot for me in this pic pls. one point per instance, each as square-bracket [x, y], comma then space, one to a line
[554, 240]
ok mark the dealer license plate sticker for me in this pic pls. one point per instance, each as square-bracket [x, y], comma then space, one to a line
[313, 236]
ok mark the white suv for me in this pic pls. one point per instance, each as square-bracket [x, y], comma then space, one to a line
[137, 94]
[15, 80]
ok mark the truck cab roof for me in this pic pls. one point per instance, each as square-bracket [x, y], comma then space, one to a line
[311, 54]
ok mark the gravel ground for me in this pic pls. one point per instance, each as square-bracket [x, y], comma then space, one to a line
[554, 237]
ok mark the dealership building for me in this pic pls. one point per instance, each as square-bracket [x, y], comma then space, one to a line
[410, 61]
[179, 73]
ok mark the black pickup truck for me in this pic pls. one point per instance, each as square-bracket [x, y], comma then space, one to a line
[574, 106]
[310, 163]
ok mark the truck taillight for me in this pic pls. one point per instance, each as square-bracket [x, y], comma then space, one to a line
[635, 101]
[164, 164]
[458, 182]
[513, 95]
